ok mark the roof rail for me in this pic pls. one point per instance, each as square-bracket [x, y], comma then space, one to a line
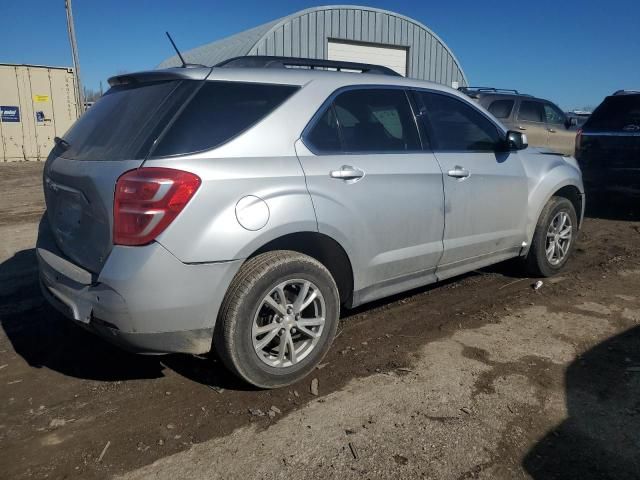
[264, 61]
[626, 92]
[488, 90]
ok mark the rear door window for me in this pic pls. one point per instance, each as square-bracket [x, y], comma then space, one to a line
[616, 113]
[455, 125]
[324, 136]
[219, 112]
[531, 111]
[376, 120]
[501, 108]
[368, 120]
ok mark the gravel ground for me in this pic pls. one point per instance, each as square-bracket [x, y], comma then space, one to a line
[478, 377]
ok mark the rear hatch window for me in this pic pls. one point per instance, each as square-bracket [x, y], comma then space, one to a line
[131, 122]
[124, 123]
[616, 113]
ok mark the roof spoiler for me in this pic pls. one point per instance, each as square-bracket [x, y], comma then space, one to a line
[264, 61]
[178, 73]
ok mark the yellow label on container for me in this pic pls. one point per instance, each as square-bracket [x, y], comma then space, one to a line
[41, 98]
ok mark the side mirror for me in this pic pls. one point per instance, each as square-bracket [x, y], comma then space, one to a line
[516, 140]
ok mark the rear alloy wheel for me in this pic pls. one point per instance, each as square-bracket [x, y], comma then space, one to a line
[278, 318]
[289, 323]
[553, 239]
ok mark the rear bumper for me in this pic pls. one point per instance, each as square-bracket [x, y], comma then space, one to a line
[144, 299]
[188, 341]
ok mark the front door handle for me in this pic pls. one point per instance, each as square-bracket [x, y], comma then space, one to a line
[458, 172]
[347, 172]
[551, 130]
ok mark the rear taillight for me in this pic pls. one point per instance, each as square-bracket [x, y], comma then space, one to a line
[147, 201]
[578, 143]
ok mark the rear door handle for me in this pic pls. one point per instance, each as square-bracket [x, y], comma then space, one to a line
[347, 172]
[458, 172]
[521, 128]
[551, 130]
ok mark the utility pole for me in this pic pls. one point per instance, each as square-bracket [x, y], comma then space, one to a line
[74, 52]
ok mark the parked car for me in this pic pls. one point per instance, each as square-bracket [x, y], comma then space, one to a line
[239, 208]
[580, 117]
[543, 122]
[608, 145]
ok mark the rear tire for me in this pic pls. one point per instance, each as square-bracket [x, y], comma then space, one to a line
[270, 341]
[554, 238]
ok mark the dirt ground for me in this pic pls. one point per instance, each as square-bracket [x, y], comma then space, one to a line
[479, 377]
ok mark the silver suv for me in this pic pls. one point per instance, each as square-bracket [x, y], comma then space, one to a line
[238, 209]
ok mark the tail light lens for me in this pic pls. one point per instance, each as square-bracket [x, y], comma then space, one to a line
[147, 200]
[578, 143]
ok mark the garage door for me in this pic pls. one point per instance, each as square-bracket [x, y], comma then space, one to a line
[393, 57]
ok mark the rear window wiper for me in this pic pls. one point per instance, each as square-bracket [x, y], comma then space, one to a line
[62, 143]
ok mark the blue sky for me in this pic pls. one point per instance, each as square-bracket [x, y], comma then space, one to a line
[572, 52]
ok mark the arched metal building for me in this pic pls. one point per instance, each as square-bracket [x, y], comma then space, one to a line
[350, 33]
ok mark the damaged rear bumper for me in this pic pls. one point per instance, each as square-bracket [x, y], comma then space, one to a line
[144, 299]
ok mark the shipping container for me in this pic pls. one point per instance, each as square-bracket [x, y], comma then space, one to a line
[37, 104]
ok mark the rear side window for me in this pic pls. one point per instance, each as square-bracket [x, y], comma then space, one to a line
[616, 113]
[125, 121]
[367, 120]
[501, 108]
[456, 126]
[219, 112]
[531, 111]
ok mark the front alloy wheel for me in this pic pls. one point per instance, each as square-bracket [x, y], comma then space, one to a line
[553, 239]
[559, 237]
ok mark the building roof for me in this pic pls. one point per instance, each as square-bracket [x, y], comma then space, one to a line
[33, 65]
[304, 34]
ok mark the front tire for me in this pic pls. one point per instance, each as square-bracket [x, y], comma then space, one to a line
[553, 239]
[278, 319]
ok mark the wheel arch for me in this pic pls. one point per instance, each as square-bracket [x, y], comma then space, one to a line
[572, 193]
[569, 190]
[324, 249]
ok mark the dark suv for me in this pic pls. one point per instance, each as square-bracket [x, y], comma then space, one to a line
[608, 145]
[543, 122]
